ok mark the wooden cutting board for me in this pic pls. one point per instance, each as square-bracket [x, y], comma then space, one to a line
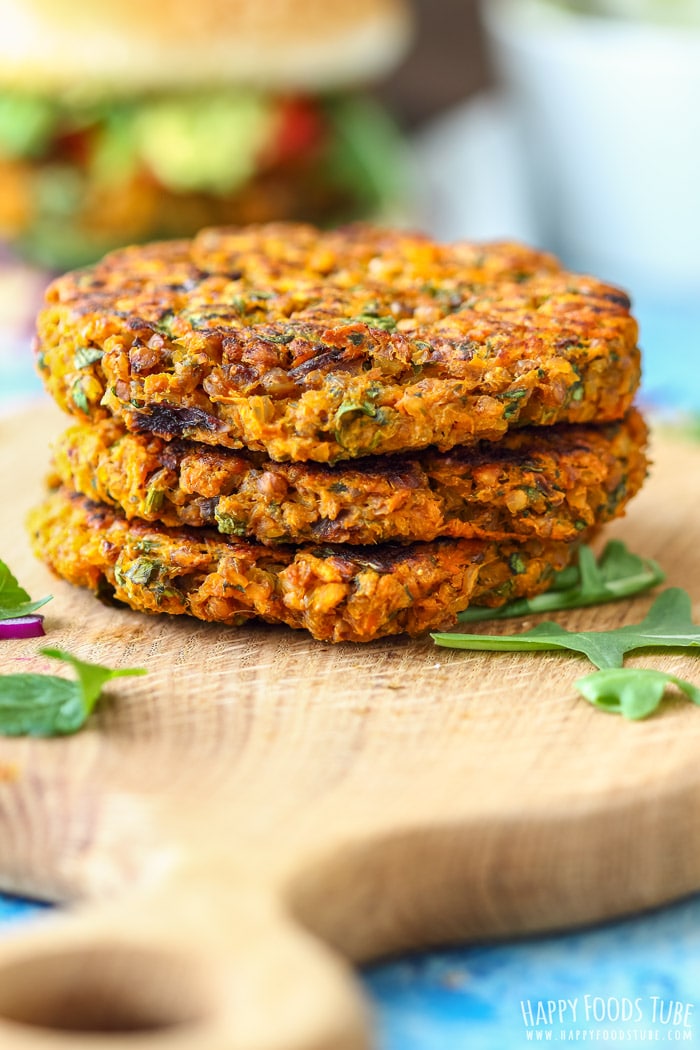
[261, 809]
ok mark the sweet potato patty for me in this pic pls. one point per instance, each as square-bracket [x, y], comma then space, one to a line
[549, 484]
[339, 593]
[329, 346]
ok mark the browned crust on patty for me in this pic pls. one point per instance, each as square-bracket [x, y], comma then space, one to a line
[339, 593]
[329, 346]
[552, 484]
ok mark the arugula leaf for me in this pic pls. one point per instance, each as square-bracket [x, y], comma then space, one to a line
[45, 705]
[617, 574]
[668, 624]
[14, 600]
[630, 691]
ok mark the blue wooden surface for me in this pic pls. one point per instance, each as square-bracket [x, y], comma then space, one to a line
[481, 997]
[491, 997]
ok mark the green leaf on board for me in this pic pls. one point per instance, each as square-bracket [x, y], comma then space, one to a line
[668, 624]
[14, 600]
[45, 705]
[632, 692]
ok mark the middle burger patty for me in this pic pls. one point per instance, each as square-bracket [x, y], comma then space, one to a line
[552, 486]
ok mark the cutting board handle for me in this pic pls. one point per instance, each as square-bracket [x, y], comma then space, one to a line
[189, 969]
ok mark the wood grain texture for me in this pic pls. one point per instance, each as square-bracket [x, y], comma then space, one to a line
[261, 807]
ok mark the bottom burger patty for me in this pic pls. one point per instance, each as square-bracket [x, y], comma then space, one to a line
[338, 593]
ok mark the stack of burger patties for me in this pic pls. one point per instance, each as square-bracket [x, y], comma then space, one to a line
[357, 432]
[125, 121]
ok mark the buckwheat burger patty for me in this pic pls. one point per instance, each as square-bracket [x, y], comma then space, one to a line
[551, 484]
[328, 346]
[338, 593]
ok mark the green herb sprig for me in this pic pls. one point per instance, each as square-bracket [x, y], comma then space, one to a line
[44, 705]
[14, 600]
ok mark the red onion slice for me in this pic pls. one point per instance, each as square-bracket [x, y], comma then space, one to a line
[22, 627]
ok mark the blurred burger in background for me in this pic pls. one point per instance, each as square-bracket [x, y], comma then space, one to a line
[127, 120]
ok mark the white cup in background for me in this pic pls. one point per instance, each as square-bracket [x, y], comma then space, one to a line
[608, 117]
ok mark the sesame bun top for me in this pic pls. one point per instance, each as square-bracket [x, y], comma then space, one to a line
[131, 46]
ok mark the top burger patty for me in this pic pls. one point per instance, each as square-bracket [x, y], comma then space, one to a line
[329, 346]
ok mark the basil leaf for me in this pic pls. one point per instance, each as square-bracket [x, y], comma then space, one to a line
[14, 600]
[91, 677]
[25, 609]
[38, 705]
[11, 594]
[45, 705]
